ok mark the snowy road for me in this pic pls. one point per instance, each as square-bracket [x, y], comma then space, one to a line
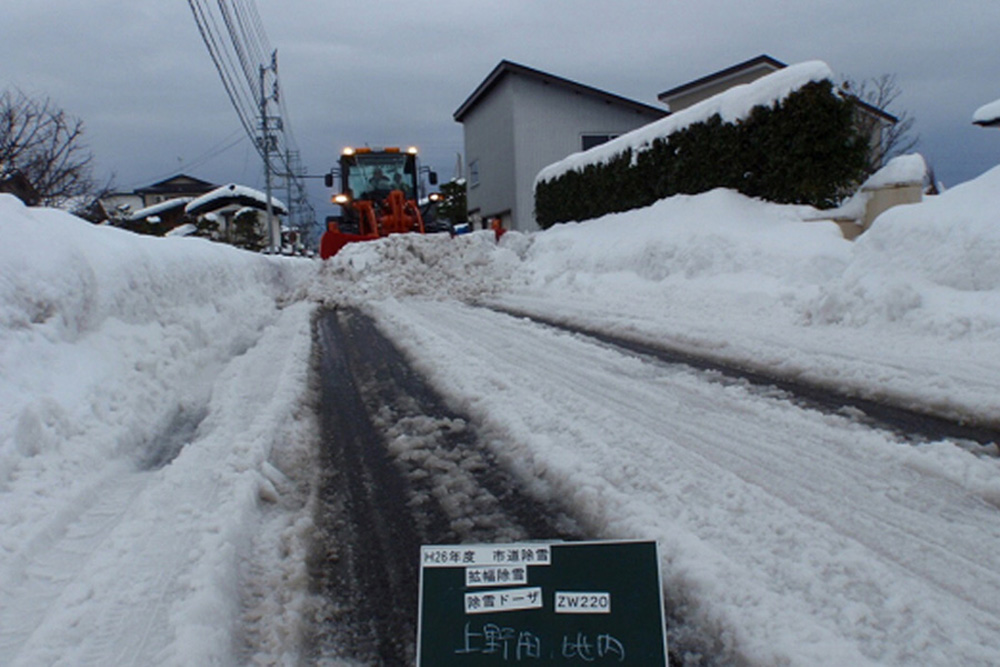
[161, 498]
[399, 469]
[776, 523]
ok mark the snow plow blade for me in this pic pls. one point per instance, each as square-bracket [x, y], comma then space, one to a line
[333, 241]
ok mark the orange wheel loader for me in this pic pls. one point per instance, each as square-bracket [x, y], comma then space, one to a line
[378, 197]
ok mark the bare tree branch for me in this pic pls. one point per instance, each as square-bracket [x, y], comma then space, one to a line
[46, 145]
[882, 92]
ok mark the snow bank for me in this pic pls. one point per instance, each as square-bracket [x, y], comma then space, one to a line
[732, 105]
[147, 388]
[688, 238]
[931, 268]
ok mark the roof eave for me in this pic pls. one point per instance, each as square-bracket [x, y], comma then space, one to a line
[507, 66]
[723, 73]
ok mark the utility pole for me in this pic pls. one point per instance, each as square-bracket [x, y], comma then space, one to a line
[289, 165]
[274, 229]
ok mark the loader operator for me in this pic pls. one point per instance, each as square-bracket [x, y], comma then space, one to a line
[379, 182]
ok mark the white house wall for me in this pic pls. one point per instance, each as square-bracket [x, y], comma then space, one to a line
[549, 124]
[489, 146]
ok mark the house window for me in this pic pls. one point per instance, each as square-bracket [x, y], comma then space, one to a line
[474, 173]
[588, 141]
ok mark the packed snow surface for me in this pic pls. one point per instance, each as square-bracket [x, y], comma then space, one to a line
[156, 442]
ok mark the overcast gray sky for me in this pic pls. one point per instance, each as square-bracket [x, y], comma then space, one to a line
[388, 72]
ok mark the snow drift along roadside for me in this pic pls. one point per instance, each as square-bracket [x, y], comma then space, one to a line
[152, 393]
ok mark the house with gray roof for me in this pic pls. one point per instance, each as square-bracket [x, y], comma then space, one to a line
[517, 121]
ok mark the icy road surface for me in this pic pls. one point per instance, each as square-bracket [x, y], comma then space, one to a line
[786, 534]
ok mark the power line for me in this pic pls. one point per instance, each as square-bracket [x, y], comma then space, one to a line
[235, 138]
[246, 64]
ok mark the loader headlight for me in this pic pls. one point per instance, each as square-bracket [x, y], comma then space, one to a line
[341, 199]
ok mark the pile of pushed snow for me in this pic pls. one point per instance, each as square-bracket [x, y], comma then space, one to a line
[689, 238]
[720, 236]
[433, 265]
[732, 105]
[931, 267]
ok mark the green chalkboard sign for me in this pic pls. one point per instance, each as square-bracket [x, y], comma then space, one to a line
[561, 603]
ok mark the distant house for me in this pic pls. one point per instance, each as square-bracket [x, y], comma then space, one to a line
[518, 120]
[224, 205]
[692, 92]
[14, 182]
[180, 185]
[875, 120]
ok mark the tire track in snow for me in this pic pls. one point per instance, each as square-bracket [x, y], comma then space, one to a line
[910, 423]
[862, 517]
[399, 470]
[42, 571]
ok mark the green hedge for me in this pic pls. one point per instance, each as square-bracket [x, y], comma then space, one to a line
[805, 149]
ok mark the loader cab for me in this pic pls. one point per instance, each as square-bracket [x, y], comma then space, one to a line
[379, 190]
[368, 174]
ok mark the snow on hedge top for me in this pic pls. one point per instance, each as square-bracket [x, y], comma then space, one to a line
[732, 105]
[988, 113]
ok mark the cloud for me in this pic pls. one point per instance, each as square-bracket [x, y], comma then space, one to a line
[394, 72]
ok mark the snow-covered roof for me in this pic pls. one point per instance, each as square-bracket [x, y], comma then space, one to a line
[988, 114]
[732, 105]
[182, 230]
[228, 195]
[162, 207]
